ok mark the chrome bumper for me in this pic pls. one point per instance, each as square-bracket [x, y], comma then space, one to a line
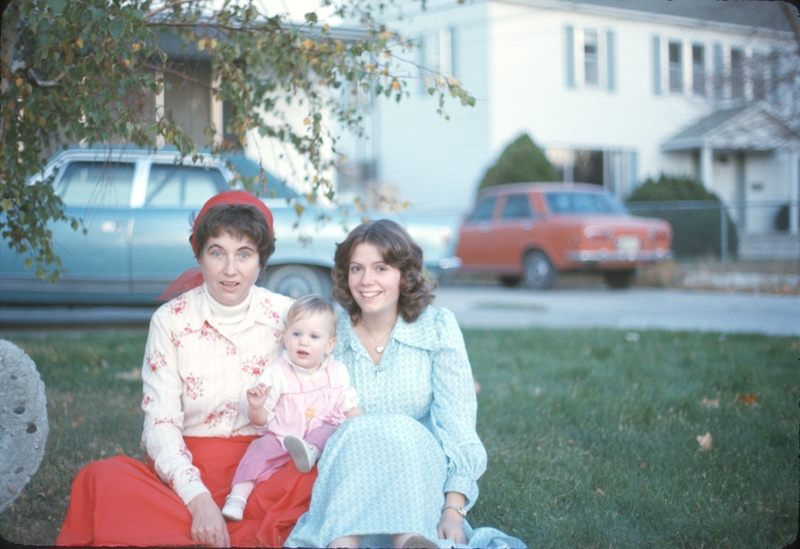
[617, 256]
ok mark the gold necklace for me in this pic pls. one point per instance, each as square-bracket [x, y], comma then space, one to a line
[378, 347]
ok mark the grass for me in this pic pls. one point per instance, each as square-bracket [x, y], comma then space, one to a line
[591, 434]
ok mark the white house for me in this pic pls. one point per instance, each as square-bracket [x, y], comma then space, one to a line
[614, 91]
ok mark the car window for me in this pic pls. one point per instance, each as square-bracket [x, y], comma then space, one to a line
[517, 207]
[583, 203]
[172, 186]
[483, 212]
[105, 184]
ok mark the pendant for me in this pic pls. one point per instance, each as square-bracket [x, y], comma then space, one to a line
[380, 349]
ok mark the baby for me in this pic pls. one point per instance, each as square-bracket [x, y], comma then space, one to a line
[298, 402]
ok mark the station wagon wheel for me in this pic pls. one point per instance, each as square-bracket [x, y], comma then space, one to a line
[537, 271]
[297, 280]
[622, 278]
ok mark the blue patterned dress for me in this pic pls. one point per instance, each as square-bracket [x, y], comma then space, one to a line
[387, 471]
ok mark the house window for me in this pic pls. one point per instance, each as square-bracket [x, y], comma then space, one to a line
[698, 69]
[675, 67]
[436, 55]
[589, 58]
[737, 73]
[591, 68]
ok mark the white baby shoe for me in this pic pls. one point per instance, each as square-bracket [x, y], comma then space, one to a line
[234, 508]
[303, 454]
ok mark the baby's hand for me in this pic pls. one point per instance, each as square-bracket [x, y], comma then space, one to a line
[257, 396]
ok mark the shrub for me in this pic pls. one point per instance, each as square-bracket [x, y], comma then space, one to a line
[696, 232]
[521, 162]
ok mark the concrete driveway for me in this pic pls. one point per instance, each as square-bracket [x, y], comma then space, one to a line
[496, 307]
[633, 309]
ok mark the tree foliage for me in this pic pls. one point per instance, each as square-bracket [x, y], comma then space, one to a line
[76, 72]
[521, 162]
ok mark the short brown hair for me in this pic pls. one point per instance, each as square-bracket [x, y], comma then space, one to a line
[398, 250]
[239, 220]
[311, 305]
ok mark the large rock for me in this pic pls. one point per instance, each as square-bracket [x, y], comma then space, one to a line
[23, 421]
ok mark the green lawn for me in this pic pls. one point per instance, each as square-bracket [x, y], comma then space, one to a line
[591, 434]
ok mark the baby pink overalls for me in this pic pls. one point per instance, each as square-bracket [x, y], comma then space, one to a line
[307, 409]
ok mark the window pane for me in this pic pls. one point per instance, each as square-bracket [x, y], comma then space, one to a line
[737, 73]
[590, 59]
[484, 210]
[675, 67]
[517, 207]
[698, 69]
[583, 203]
[101, 184]
[182, 186]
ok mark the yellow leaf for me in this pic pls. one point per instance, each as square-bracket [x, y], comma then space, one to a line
[201, 44]
[126, 62]
[299, 208]
[705, 441]
[212, 43]
[79, 43]
[326, 27]
[385, 35]
[136, 47]
[18, 82]
[308, 43]
[306, 121]
[41, 121]
[395, 85]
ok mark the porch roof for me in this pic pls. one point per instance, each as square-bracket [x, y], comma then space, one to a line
[751, 127]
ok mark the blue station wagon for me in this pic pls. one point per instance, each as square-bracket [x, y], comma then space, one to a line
[137, 205]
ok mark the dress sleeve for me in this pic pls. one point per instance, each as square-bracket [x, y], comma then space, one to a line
[349, 395]
[454, 409]
[163, 414]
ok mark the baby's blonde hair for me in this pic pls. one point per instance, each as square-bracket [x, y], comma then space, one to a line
[309, 305]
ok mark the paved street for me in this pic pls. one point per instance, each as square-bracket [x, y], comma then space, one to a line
[478, 306]
[637, 308]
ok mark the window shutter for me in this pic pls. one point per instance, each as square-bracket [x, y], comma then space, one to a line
[656, 65]
[610, 50]
[569, 57]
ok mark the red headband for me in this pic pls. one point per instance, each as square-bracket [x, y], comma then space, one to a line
[194, 276]
[232, 197]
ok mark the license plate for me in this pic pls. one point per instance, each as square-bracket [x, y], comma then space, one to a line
[628, 244]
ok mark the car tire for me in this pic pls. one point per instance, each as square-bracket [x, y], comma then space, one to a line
[537, 271]
[620, 279]
[297, 280]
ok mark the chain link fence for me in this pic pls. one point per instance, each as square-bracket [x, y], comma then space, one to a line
[720, 229]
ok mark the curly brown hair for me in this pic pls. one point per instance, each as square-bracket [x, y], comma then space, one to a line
[236, 219]
[398, 250]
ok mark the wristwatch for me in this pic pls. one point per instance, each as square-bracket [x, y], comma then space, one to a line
[460, 510]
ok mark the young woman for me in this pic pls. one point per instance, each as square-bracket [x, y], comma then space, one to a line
[404, 474]
[205, 349]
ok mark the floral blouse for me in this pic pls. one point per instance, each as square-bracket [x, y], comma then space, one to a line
[196, 374]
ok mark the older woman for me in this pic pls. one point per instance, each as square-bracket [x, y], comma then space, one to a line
[205, 348]
[404, 474]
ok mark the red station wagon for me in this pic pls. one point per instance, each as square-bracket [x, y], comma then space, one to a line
[529, 231]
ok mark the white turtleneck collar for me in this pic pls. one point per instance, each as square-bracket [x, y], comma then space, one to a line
[229, 315]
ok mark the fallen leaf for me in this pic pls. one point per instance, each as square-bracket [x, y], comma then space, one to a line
[709, 403]
[751, 400]
[705, 441]
[600, 491]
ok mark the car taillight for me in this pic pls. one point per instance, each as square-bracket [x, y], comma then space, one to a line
[446, 235]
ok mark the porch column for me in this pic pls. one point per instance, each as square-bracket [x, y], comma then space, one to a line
[707, 166]
[794, 180]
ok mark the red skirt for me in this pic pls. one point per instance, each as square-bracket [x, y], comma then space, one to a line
[121, 501]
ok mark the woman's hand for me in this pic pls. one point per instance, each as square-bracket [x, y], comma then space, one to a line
[257, 396]
[208, 524]
[451, 526]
